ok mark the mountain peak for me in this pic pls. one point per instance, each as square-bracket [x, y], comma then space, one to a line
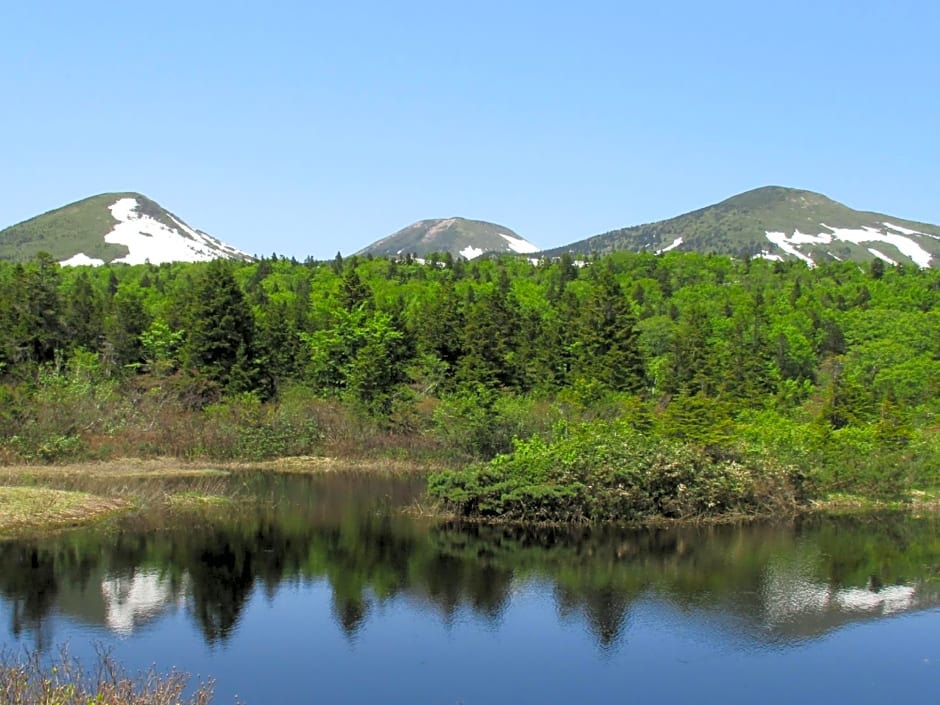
[121, 227]
[778, 223]
[461, 237]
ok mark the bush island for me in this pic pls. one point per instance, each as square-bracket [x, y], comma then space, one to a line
[608, 471]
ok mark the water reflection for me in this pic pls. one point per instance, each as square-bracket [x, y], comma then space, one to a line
[775, 582]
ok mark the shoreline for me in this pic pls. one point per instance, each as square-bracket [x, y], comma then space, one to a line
[28, 507]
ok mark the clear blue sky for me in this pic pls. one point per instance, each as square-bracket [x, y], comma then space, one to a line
[307, 128]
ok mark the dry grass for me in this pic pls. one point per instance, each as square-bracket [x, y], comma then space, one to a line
[23, 508]
[30, 681]
[144, 468]
[118, 468]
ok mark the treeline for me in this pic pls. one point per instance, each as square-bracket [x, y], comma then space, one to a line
[837, 363]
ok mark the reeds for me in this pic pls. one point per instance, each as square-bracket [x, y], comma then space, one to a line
[33, 680]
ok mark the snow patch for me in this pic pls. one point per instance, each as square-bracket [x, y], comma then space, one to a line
[904, 245]
[523, 247]
[903, 231]
[780, 240]
[149, 240]
[882, 256]
[807, 239]
[80, 260]
[674, 245]
[470, 252]
[764, 254]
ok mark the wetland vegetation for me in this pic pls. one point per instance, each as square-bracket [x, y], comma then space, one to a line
[627, 387]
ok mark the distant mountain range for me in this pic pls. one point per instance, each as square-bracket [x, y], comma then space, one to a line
[458, 236]
[773, 222]
[777, 223]
[112, 227]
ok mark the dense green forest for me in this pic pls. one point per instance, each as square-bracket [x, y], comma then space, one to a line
[553, 390]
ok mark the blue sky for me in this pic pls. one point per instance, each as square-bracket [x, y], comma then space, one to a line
[307, 128]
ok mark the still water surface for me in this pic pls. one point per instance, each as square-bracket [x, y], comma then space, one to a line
[318, 590]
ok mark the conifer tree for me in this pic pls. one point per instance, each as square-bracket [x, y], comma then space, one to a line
[221, 330]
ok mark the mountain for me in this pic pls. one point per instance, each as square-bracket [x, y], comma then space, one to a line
[112, 227]
[458, 236]
[778, 223]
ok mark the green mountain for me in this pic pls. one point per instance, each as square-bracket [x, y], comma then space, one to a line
[777, 223]
[458, 236]
[112, 227]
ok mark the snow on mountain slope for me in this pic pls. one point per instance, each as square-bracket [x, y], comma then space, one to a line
[458, 236]
[866, 235]
[517, 244]
[124, 227]
[149, 240]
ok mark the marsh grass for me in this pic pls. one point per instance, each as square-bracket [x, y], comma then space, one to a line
[24, 508]
[31, 680]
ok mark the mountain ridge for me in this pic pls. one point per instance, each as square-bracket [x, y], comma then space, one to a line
[776, 222]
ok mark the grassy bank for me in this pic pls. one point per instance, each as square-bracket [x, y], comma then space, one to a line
[50, 497]
[30, 508]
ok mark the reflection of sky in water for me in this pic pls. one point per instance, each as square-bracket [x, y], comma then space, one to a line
[290, 643]
[290, 648]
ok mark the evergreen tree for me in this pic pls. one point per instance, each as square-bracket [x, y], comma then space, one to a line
[83, 317]
[608, 349]
[221, 330]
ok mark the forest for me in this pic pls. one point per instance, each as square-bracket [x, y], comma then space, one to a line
[624, 386]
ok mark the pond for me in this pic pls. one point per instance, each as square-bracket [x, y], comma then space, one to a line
[318, 589]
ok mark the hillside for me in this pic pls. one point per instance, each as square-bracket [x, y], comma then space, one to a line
[112, 227]
[458, 236]
[778, 223]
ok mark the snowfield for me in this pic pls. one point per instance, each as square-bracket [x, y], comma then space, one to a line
[523, 247]
[674, 245]
[470, 252]
[864, 236]
[81, 259]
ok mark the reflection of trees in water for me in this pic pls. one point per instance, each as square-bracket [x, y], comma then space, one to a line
[373, 556]
[33, 586]
[605, 610]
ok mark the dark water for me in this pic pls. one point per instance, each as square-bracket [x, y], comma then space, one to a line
[322, 593]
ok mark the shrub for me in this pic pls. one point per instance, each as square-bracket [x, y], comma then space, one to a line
[481, 422]
[604, 471]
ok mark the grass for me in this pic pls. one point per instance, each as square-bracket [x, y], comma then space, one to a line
[25, 508]
[79, 226]
[31, 680]
[123, 468]
[193, 499]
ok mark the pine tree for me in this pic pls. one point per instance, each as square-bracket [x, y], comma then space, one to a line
[221, 330]
[83, 317]
[608, 349]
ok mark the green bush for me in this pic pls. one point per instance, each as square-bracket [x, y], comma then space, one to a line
[604, 471]
[480, 422]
